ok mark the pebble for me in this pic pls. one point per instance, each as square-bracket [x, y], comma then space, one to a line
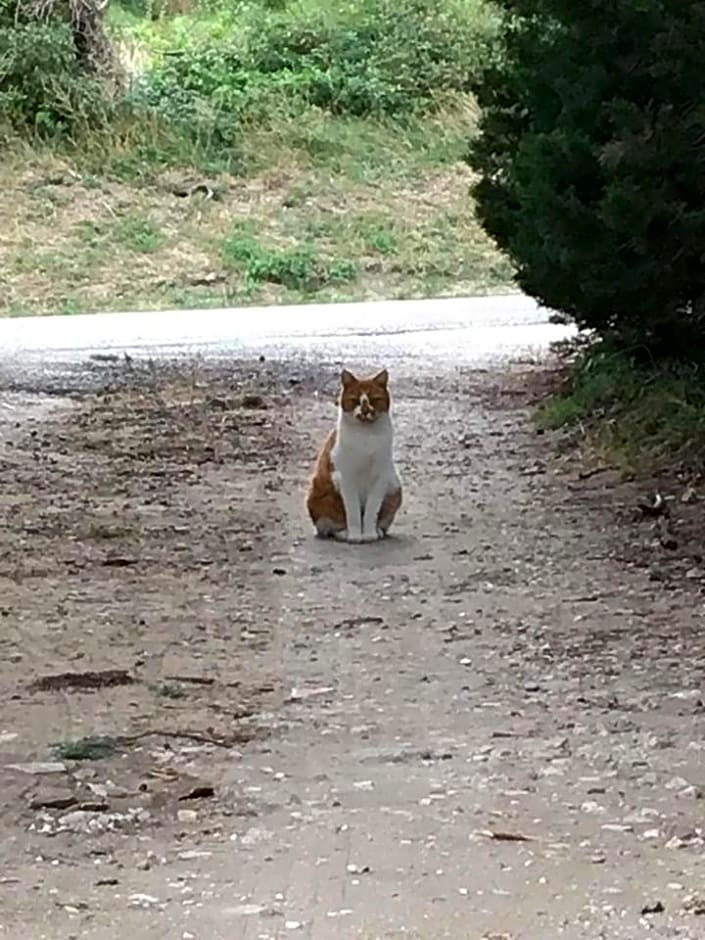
[691, 793]
[591, 807]
[187, 815]
[255, 836]
[142, 900]
[246, 910]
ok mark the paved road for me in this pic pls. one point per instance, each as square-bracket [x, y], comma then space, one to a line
[478, 331]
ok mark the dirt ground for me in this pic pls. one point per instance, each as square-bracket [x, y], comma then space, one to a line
[215, 726]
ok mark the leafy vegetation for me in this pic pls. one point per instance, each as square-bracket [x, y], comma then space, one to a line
[299, 267]
[92, 747]
[226, 153]
[592, 166]
[370, 58]
[640, 416]
[591, 180]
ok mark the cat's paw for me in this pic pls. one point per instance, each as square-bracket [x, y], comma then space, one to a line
[370, 536]
[354, 538]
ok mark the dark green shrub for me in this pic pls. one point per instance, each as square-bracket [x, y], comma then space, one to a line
[592, 163]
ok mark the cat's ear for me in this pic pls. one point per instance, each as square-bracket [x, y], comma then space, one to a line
[382, 378]
[347, 378]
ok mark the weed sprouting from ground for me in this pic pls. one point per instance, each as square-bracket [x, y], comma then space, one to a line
[170, 690]
[92, 747]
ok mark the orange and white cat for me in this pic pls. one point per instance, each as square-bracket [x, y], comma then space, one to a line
[355, 491]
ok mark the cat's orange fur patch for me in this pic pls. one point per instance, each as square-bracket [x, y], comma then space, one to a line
[324, 500]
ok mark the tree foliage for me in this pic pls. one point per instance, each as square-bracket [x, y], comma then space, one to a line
[591, 156]
[57, 67]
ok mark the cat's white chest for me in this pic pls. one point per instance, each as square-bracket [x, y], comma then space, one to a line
[362, 456]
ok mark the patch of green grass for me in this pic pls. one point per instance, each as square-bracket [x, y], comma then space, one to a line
[170, 690]
[362, 149]
[380, 236]
[90, 232]
[296, 197]
[92, 747]
[299, 267]
[70, 305]
[639, 416]
[139, 234]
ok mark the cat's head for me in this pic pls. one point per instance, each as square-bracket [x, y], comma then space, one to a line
[364, 399]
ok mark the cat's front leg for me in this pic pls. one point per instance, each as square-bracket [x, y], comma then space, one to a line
[353, 511]
[373, 504]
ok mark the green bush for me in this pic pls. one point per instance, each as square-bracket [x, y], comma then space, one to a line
[593, 167]
[370, 57]
[42, 86]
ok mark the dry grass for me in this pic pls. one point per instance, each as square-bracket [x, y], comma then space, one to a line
[380, 218]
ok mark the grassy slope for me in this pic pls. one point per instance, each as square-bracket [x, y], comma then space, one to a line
[321, 208]
[642, 418]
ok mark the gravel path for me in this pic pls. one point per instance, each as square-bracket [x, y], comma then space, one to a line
[489, 726]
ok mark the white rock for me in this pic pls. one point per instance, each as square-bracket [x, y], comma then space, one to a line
[142, 900]
[690, 793]
[254, 836]
[246, 910]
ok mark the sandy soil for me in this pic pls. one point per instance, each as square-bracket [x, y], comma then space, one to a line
[215, 726]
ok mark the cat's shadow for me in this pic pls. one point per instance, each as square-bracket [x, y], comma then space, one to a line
[392, 541]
